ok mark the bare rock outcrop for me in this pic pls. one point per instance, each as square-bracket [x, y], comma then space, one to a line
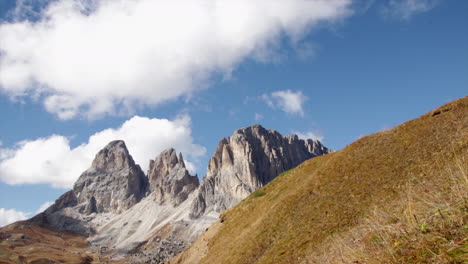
[169, 179]
[246, 161]
[113, 183]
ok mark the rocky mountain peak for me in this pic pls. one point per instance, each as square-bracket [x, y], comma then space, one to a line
[163, 164]
[169, 179]
[113, 183]
[114, 156]
[255, 130]
[248, 159]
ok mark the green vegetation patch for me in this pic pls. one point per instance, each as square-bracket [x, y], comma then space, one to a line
[258, 193]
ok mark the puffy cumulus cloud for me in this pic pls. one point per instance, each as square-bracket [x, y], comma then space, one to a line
[288, 101]
[309, 135]
[98, 57]
[52, 161]
[405, 9]
[8, 216]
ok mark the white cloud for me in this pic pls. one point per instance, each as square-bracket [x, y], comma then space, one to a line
[44, 206]
[8, 216]
[288, 101]
[98, 57]
[309, 135]
[52, 161]
[405, 9]
[258, 117]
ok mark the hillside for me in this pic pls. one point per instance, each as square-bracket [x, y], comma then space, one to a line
[23, 242]
[396, 196]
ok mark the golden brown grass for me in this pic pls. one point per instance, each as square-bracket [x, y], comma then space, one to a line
[423, 227]
[397, 196]
[23, 242]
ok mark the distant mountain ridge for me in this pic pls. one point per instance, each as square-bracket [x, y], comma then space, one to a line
[157, 215]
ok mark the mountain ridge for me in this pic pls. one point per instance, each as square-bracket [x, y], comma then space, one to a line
[150, 218]
[248, 159]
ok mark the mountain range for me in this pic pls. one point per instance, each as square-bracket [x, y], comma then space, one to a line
[151, 217]
[396, 196]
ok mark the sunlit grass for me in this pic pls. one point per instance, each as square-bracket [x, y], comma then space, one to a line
[397, 196]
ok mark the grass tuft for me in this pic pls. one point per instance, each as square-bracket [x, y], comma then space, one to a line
[258, 193]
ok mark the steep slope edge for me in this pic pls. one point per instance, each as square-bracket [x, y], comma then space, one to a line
[397, 196]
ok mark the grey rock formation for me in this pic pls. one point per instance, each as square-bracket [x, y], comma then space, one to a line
[67, 199]
[55, 216]
[90, 207]
[169, 179]
[113, 183]
[246, 161]
[121, 209]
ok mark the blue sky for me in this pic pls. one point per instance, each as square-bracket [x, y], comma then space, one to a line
[352, 69]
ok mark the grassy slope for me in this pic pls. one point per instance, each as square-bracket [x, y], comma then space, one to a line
[397, 196]
[23, 242]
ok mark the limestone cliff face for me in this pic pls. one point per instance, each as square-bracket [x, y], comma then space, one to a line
[246, 161]
[169, 180]
[113, 183]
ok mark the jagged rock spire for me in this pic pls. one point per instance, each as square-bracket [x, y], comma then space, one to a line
[168, 178]
[113, 183]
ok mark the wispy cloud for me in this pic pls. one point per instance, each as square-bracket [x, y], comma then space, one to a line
[258, 116]
[288, 101]
[405, 9]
